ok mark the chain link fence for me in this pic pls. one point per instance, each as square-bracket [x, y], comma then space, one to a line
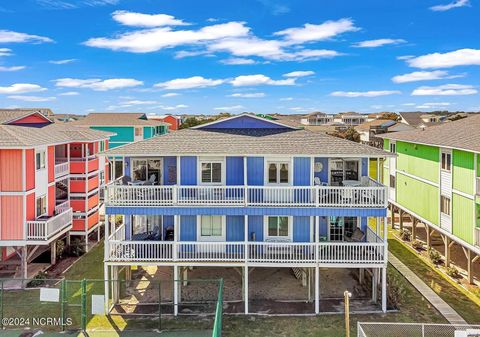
[378, 329]
[57, 305]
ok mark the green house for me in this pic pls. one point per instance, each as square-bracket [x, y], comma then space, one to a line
[127, 127]
[435, 179]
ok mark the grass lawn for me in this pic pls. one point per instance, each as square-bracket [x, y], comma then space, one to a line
[448, 292]
[413, 308]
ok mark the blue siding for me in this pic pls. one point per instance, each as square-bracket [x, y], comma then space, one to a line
[234, 228]
[167, 222]
[188, 170]
[364, 224]
[128, 227]
[293, 211]
[323, 175]
[188, 228]
[255, 225]
[301, 229]
[364, 167]
[169, 170]
[301, 171]
[255, 171]
[323, 223]
[245, 122]
[234, 171]
[126, 166]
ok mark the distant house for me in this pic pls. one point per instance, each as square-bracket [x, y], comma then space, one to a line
[127, 127]
[174, 121]
[422, 120]
[369, 130]
[317, 118]
[350, 118]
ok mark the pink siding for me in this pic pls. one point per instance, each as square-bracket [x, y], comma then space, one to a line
[31, 207]
[11, 218]
[32, 119]
[11, 170]
[51, 163]
[30, 168]
[51, 200]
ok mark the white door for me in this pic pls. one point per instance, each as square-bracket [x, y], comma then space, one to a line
[211, 230]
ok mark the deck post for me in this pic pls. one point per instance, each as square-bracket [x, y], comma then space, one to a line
[429, 239]
[414, 229]
[374, 285]
[317, 289]
[107, 235]
[400, 214]
[175, 290]
[392, 215]
[384, 289]
[447, 251]
[106, 285]
[245, 288]
[53, 252]
[245, 237]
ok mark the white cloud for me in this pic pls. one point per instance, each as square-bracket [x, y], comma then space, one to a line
[8, 36]
[229, 108]
[314, 54]
[460, 57]
[176, 107]
[14, 68]
[286, 99]
[21, 88]
[372, 93]
[433, 105]
[32, 98]
[451, 5]
[248, 95]
[189, 83]
[191, 53]
[170, 94]
[138, 102]
[69, 93]
[409, 104]
[377, 43]
[237, 61]
[424, 76]
[146, 20]
[5, 52]
[310, 32]
[405, 57]
[259, 79]
[66, 61]
[98, 84]
[299, 73]
[72, 4]
[150, 40]
[445, 90]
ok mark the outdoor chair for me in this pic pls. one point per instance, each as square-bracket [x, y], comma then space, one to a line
[357, 236]
[126, 180]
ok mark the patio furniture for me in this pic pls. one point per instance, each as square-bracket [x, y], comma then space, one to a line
[357, 236]
[152, 179]
[126, 180]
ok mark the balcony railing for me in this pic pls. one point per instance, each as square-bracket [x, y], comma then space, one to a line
[327, 253]
[61, 169]
[301, 196]
[63, 207]
[44, 229]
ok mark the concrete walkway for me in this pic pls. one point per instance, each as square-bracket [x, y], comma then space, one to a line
[445, 310]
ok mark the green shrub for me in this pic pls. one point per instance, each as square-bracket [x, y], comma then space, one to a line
[417, 244]
[453, 272]
[405, 235]
[60, 244]
[395, 290]
[434, 256]
[77, 247]
[38, 280]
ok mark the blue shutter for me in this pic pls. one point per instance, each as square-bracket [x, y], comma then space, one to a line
[255, 171]
[234, 171]
[188, 228]
[255, 225]
[301, 229]
[188, 170]
[234, 229]
[301, 171]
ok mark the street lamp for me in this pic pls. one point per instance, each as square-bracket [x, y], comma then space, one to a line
[347, 296]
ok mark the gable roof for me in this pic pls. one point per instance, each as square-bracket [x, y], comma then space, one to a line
[242, 142]
[461, 134]
[375, 123]
[11, 115]
[118, 119]
[244, 116]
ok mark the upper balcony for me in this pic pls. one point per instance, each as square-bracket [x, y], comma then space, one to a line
[369, 194]
[45, 229]
[62, 168]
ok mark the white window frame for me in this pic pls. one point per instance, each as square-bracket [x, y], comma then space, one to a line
[210, 238]
[148, 174]
[447, 154]
[211, 160]
[43, 160]
[449, 205]
[46, 205]
[266, 236]
[279, 161]
[393, 147]
[138, 131]
[330, 165]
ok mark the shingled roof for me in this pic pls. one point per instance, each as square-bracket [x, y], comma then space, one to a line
[461, 134]
[246, 142]
[117, 119]
[8, 115]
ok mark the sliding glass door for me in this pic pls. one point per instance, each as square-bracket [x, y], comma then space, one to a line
[147, 169]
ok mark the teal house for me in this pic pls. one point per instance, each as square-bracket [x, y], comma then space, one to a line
[127, 127]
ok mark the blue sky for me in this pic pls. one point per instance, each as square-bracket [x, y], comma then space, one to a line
[154, 56]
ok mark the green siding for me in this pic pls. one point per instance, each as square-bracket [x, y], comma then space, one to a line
[418, 197]
[478, 165]
[418, 160]
[123, 133]
[114, 145]
[386, 144]
[463, 171]
[462, 217]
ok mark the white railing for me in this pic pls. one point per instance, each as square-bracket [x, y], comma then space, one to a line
[62, 169]
[300, 196]
[118, 234]
[45, 229]
[477, 236]
[63, 207]
[345, 253]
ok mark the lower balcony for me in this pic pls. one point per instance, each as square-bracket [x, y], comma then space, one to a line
[346, 254]
[45, 229]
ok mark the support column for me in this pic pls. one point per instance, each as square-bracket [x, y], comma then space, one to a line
[185, 276]
[245, 288]
[24, 264]
[429, 238]
[175, 290]
[384, 289]
[107, 286]
[392, 215]
[53, 252]
[400, 214]
[317, 289]
[361, 275]
[414, 229]
[115, 286]
[447, 251]
[374, 285]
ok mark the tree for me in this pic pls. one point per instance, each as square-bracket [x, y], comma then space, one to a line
[349, 134]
